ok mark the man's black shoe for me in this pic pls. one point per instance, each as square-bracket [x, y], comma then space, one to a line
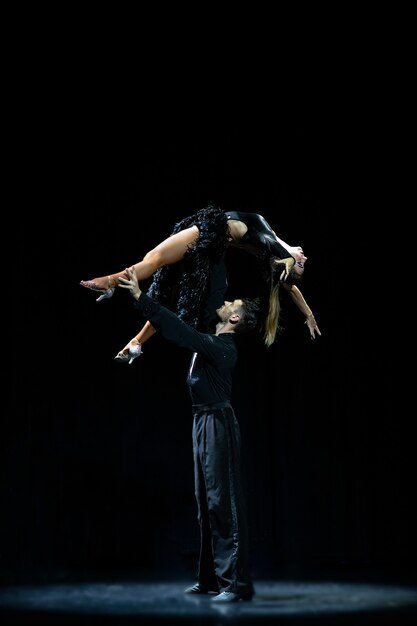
[197, 588]
[229, 596]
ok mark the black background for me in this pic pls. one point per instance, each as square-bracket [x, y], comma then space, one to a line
[96, 458]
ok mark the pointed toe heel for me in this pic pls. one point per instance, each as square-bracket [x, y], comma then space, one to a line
[107, 294]
[129, 357]
[106, 286]
[134, 352]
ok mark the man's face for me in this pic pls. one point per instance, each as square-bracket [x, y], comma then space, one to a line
[228, 308]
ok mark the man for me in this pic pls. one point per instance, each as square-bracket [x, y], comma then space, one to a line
[224, 549]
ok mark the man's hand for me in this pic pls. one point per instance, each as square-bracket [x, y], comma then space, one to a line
[131, 282]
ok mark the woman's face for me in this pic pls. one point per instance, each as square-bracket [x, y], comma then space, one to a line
[298, 266]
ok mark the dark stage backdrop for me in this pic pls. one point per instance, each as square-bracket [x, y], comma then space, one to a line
[96, 462]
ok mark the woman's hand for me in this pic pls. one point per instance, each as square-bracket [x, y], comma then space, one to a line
[297, 252]
[288, 265]
[312, 326]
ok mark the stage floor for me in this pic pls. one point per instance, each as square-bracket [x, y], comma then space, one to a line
[275, 602]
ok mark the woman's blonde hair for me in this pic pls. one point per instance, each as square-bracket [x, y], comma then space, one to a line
[271, 324]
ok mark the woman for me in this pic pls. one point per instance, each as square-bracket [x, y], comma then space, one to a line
[189, 275]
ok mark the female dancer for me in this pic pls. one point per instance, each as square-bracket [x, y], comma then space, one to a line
[189, 275]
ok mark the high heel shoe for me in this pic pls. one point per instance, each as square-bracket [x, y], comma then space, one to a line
[134, 352]
[95, 286]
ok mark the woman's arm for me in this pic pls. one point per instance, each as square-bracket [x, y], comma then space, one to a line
[298, 298]
[294, 251]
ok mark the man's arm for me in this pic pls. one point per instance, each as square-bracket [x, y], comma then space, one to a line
[167, 323]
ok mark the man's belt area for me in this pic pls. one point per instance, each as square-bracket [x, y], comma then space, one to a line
[204, 408]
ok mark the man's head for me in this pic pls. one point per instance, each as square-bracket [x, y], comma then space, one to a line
[242, 315]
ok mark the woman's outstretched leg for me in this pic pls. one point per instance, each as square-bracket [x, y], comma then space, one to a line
[168, 252]
[133, 349]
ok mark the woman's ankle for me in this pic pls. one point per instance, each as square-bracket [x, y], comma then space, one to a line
[113, 281]
[132, 342]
